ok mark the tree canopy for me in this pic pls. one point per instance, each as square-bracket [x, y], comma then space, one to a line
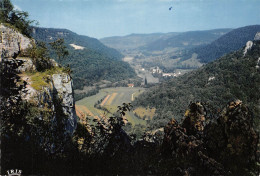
[60, 49]
[18, 19]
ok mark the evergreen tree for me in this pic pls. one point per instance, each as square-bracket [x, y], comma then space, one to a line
[6, 9]
[60, 49]
[19, 19]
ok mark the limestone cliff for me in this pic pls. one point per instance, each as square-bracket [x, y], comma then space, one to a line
[12, 42]
[62, 87]
[49, 89]
[257, 36]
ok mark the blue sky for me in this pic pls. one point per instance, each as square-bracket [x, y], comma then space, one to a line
[103, 18]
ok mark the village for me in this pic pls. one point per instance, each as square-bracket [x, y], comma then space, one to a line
[155, 74]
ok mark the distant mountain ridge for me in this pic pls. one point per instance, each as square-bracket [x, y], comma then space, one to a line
[187, 39]
[165, 50]
[134, 41]
[161, 41]
[229, 42]
[90, 60]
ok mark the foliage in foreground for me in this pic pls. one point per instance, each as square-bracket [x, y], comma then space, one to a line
[34, 142]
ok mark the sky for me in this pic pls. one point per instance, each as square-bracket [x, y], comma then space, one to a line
[105, 18]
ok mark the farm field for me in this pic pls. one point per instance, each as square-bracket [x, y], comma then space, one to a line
[110, 98]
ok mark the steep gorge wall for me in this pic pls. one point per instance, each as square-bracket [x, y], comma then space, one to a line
[63, 88]
[60, 85]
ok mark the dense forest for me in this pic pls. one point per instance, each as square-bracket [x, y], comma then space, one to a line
[233, 76]
[93, 63]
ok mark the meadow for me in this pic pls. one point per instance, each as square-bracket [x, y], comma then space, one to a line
[110, 99]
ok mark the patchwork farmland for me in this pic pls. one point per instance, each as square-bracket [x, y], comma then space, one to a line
[110, 98]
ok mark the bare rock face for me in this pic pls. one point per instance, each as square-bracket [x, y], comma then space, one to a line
[257, 36]
[26, 66]
[249, 45]
[62, 87]
[194, 121]
[12, 42]
[57, 97]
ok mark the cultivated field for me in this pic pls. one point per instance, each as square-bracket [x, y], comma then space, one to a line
[145, 113]
[110, 98]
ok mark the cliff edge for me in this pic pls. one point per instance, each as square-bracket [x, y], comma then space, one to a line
[46, 89]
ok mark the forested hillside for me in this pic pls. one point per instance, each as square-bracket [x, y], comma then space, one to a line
[233, 76]
[134, 41]
[229, 42]
[89, 59]
[186, 39]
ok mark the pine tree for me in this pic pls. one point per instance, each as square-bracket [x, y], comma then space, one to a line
[145, 81]
[60, 49]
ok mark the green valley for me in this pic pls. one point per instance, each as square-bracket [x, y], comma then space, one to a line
[155, 102]
[110, 99]
[162, 50]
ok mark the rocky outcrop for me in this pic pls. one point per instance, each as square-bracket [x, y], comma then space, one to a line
[63, 88]
[216, 148]
[58, 87]
[194, 121]
[232, 140]
[27, 65]
[189, 152]
[57, 94]
[249, 45]
[257, 63]
[257, 36]
[12, 42]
